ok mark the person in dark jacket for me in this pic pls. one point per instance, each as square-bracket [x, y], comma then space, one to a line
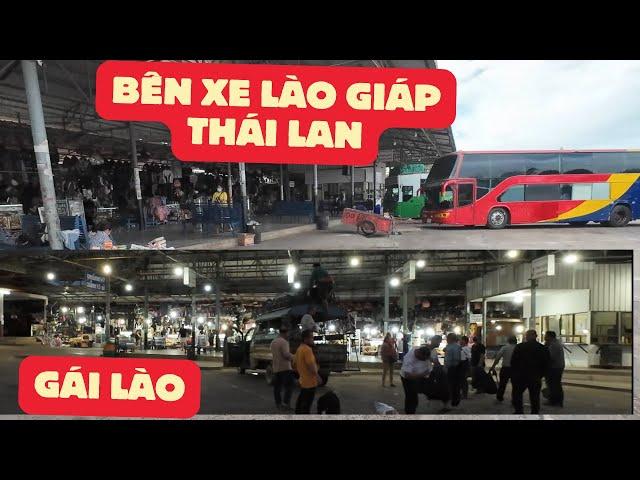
[554, 375]
[529, 363]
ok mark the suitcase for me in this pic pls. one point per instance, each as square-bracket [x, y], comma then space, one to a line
[485, 382]
[329, 404]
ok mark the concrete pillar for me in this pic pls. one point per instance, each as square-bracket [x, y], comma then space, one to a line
[532, 315]
[386, 299]
[353, 187]
[1, 315]
[243, 196]
[484, 321]
[107, 310]
[41, 148]
[229, 184]
[316, 200]
[405, 309]
[146, 317]
[281, 183]
[136, 177]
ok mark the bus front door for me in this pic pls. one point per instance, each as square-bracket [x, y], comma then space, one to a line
[465, 198]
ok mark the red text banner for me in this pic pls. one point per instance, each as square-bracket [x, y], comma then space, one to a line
[275, 113]
[109, 387]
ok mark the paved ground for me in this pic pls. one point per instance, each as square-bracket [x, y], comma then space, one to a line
[224, 391]
[419, 236]
[227, 392]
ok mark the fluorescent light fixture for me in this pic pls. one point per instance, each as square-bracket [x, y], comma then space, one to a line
[291, 272]
[570, 258]
[178, 271]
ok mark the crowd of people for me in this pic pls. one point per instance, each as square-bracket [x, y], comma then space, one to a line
[422, 372]
[524, 364]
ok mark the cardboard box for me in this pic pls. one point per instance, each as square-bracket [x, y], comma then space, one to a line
[245, 239]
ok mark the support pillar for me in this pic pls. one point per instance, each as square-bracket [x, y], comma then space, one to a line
[386, 300]
[316, 203]
[146, 318]
[41, 148]
[2, 315]
[107, 310]
[218, 312]
[405, 310]
[532, 314]
[353, 187]
[136, 177]
[243, 196]
[281, 183]
[483, 336]
[229, 184]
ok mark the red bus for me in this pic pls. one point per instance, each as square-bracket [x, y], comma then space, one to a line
[497, 189]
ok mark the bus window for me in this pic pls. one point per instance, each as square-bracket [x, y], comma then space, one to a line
[541, 163]
[476, 166]
[632, 163]
[395, 193]
[576, 163]
[575, 191]
[609, 162]
[541, 192]
[506, 165]
[513, 194]
[446, 198]
[442, 168]
[465, 194]
[407, 193]
[600, 191]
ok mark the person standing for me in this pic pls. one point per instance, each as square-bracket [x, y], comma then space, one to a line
[389, 356]
[305, 364]
[505, 353]
[465, 362]
[438, 384]
[283, 373]
[554, 375]
[452, 364]
[529, 363]
[400, 345]
[416, 367]
[307, 322]
[220, 197]
[478, 351]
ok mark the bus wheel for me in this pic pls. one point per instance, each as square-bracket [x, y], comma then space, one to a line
[268, 374]
[498, 218]
[620, 216]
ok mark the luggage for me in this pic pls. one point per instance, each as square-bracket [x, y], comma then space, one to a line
[436, 386]
[485, 382]
[329, 404]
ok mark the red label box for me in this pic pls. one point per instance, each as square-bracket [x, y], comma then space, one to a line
[109, 387]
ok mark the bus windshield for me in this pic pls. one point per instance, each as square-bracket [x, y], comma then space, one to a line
[436, 199]
[442, 168]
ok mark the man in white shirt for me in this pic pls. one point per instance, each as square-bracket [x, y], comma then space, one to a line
[505, 353]
[416, 367]
[307, 322]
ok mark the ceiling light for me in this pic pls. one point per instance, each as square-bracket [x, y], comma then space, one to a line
[394, 281]
[51, 276]
[421, 263]
[354, 261]
[570, 258]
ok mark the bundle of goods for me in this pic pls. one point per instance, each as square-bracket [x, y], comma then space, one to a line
[10, 221]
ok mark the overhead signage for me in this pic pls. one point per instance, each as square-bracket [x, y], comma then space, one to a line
[94, 281]
[543, 267]
[409, 271]
[275, 113]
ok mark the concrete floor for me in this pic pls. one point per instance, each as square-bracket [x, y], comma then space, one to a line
[418, 236]
[224, 391]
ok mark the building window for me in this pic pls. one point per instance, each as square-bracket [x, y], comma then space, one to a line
[611, 328]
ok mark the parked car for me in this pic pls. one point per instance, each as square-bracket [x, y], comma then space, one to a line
[82, 341]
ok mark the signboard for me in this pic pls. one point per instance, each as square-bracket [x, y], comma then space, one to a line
[475, 318]
[292, 184]
[94, 281]
[543, 267]
[285, 114]
[409, 271]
